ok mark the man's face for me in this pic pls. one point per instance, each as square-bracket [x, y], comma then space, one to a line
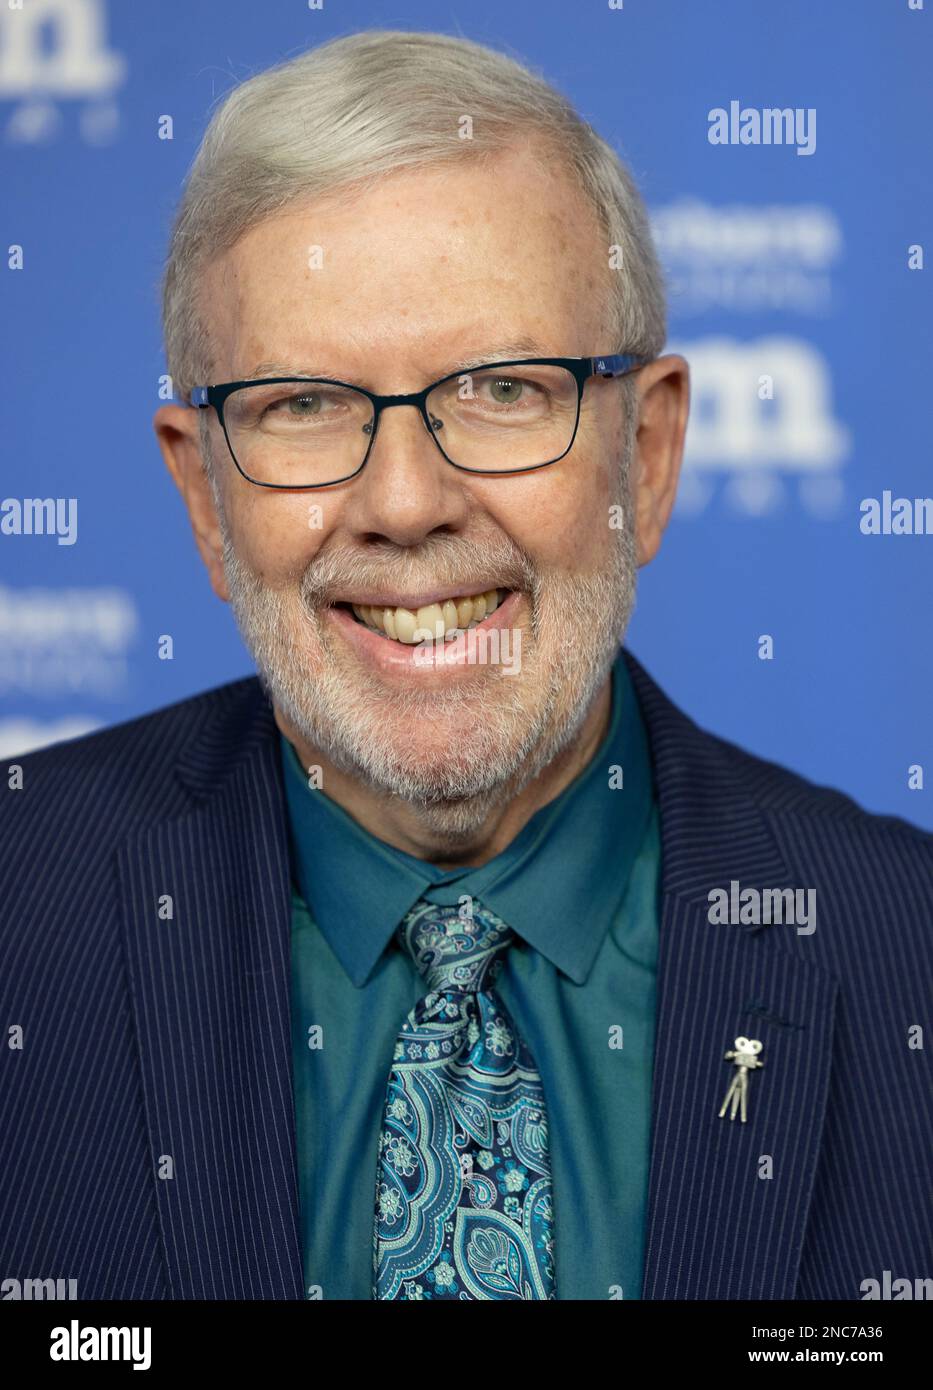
[424, 271]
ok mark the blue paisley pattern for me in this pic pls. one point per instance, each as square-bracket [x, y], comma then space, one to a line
[463, 1192]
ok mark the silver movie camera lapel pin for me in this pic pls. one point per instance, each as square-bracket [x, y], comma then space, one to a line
[746, 1059]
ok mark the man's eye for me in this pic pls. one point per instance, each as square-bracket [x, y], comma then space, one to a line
[510, 390]
[506, 390]
[307, 403]
[303, 405]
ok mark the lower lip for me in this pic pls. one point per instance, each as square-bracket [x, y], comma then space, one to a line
[385, 654]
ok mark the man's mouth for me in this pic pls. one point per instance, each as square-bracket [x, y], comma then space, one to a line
[436, 622]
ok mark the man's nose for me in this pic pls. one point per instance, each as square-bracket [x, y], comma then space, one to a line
[407, 488]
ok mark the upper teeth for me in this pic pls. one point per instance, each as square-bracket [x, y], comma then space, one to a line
[433, 622]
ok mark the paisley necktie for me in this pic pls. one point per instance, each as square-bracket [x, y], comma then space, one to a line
[463, 1189]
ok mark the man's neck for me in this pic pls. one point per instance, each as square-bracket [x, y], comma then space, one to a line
[397, 822]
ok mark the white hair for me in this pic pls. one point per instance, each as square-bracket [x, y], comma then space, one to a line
[358, 108]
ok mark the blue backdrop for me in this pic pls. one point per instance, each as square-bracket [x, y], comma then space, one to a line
[798, 265]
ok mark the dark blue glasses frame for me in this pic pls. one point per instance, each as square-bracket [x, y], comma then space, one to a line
[580, 368]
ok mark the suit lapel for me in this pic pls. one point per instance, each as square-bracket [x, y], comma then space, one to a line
[727, 1202]
[211, 1000]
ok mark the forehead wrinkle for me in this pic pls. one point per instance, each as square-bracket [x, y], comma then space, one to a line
[516, 347]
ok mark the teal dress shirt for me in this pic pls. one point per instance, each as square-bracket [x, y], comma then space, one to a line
[579, 885]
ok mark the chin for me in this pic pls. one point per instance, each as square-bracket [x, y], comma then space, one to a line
[429, 771]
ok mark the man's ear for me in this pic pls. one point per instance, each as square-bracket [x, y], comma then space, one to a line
[176, 429]
[663, 401]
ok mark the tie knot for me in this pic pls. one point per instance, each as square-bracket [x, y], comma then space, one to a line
[455, 948]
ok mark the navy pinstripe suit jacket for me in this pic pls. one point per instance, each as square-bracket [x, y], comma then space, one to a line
[153, 1046]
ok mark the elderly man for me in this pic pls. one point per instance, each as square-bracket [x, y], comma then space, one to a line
[420, 966]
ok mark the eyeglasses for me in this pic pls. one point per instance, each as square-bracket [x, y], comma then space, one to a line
[503, 417]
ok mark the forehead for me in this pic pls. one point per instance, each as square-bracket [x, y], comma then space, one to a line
[420, 264]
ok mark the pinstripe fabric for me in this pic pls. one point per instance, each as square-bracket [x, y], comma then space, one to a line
[842, 1107]
[158, 1044]
[149, 1039]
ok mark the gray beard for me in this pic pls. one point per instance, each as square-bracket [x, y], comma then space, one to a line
[503, 730]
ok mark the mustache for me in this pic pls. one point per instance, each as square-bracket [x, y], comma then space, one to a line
[442, 561]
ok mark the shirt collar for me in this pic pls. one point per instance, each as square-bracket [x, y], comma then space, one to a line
[557, 884]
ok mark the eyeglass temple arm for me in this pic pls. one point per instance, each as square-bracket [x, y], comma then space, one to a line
[616, 364]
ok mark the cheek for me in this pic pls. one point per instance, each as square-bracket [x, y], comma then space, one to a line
[562, 516]
[600, 481]
[277, 535]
